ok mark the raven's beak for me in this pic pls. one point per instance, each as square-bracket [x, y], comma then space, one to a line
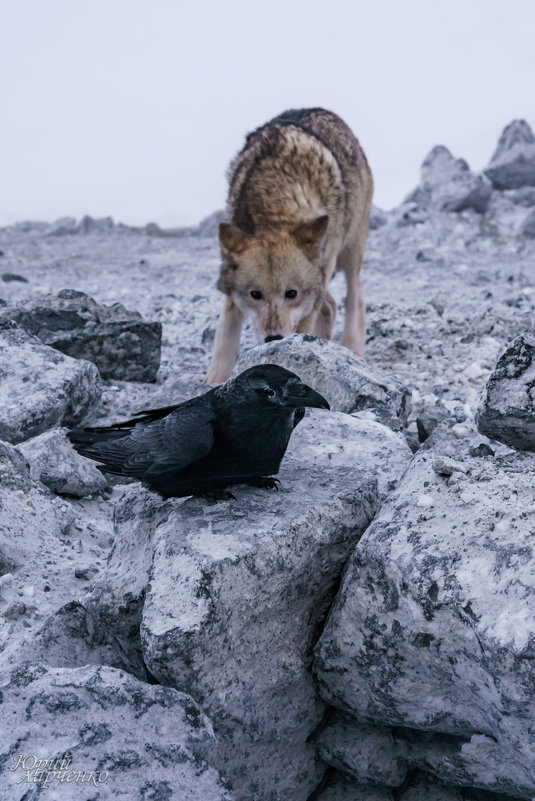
[299, 394]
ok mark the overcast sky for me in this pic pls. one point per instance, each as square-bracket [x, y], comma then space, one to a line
[134, 109]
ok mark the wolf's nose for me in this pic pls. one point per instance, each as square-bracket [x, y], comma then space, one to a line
[271, 337]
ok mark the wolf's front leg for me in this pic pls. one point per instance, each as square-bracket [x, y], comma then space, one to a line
[226, 343]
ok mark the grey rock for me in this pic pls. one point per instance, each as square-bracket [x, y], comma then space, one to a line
[378, 218]
[231, 598]
[513, 162]
[118, 341]
[448, 184]
[369, 754]
[40, 387]
[55, 463]
[507, 411]
[8, 278]
[342, 788]
[89, 225]
[527, 227]
[210, 225]
[14, 469]
[524, 196]
[413, 640]
[63, 227]
[348, 382]
[135, 740]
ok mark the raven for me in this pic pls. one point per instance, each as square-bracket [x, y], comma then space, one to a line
[237, 433]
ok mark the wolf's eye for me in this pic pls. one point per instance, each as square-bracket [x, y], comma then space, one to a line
[291, 294]
[270, 393]
[256, 294]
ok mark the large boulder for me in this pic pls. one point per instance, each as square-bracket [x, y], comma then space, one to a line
[348, 382]
[231, 596]
[54, 462]
[98, 733]
[40, 387]
[434, 624]
[448, 184]
[513, 162]
[507, 411]
[118, 341]
[527, 227]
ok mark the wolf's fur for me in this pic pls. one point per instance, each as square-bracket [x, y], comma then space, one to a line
[298, 205]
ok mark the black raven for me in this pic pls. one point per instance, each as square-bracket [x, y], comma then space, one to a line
[236, 433]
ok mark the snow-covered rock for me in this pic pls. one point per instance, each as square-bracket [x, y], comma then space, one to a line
[40, 387]
[507, 412]
[448, 184]
[210, 225]
[55, 463]
[513, 162]
[97, 732]
[349, 383]
[434, 624]
[118, 341]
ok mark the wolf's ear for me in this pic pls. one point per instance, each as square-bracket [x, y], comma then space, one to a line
[232, 238]
[308, 235]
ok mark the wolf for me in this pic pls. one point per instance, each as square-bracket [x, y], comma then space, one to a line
[299, 198]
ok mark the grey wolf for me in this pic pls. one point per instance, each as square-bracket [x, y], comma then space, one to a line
[233, 434]
[299, 199]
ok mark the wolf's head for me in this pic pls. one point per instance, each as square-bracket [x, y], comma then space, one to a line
[276, 273]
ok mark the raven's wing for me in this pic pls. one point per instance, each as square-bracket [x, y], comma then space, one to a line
[148, 449]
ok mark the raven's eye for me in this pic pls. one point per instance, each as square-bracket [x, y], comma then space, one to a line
[256, 294]
[270, 393]
[291, 294]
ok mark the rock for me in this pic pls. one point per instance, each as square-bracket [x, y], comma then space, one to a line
[378, 218]
[413, 640]
[528, 226]
[118, 341]
[9, 277]
[14, 469]
[105, 734]
[210, 225]
[232, 596]
[342, 788]
[507, 411]
[336, 439]
[63, 227]
[39, 387]
[448, 184]
[348, 382]
[88, 225]
[369, 754]
[513, 162]
[55, 463]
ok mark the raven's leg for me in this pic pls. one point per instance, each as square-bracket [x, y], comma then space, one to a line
[264, 482]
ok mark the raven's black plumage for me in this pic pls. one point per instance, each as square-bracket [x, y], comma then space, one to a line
[234, 434]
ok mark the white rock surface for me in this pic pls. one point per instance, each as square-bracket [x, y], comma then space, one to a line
[107, 736]
[434, 625]
[54, 462]
[39, 387]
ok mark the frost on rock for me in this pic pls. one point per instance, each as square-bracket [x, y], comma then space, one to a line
[434, 625]
[118, 341]
[513, 162]
[39, 387]
[507, 412]
[106, 734]
[448, 184]
[348, 382]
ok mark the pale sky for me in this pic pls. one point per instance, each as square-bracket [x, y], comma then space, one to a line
[133, 108]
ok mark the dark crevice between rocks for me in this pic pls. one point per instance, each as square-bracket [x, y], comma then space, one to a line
[328, 777]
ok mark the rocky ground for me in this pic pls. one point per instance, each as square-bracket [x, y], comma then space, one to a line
[366, 633]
